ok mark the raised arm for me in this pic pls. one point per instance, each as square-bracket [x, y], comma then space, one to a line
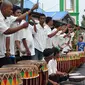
[52, 34]
[23, 16]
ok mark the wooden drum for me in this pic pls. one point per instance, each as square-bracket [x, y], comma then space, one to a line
[9, 77]
[42, 69]
[29, 73]
[74, 59]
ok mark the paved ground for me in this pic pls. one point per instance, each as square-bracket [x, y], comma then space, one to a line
[81, 70]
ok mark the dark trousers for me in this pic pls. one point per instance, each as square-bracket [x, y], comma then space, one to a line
[13, 60]
[5, 61]
[38, 55]
[57, 78]
[26, 57]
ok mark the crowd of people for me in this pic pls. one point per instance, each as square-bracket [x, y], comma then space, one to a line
[33, 42]
[17, 34]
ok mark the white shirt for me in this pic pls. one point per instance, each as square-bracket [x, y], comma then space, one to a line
[62, 40]
[40, 38]
[55, 39]
[10, 21]
[27, 34]
[3, 28]
[52, 66]
[48, 40]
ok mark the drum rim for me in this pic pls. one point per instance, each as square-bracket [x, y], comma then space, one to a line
[31, 77]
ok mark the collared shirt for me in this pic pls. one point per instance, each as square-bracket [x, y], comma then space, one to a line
[3, 28]
[40, 38]
[27, 34]
[48, 40]
[52, 66]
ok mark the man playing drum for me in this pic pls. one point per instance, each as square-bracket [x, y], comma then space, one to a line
[55, 76]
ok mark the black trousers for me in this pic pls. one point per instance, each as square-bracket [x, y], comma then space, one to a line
[5, 61]
[57, 78]
[26, 57]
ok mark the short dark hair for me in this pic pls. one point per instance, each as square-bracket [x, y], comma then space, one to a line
[26, 10]
[81, 37]
[41, 15]
[15, 8]
[48, 19]
[49, 51]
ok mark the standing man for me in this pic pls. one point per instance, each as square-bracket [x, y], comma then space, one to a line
[49, 33]
[26, 42]
[40, 38]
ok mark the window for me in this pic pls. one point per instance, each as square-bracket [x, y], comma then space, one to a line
[69, 5]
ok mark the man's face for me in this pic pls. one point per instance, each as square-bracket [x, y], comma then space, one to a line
[42, 19]
[51, 22]
[18, 13]
[8, 10]
[80, 39]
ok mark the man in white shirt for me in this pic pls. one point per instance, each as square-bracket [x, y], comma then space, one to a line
[24, 40]
[55, 76]
[27, 35]
[40, 38]
[67, 46]
[49, 33]
[6, 11]
[10, 40]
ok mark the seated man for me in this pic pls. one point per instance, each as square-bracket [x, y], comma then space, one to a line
[55, 76]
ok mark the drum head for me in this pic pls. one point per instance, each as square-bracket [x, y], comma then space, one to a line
[74, 74]
[77, 78]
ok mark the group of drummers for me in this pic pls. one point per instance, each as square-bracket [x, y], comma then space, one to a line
[40, 41]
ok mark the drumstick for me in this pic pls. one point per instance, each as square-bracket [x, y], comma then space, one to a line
[37, 3]
[27, 18]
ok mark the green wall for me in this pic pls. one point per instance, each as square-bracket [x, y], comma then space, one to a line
[76, 13]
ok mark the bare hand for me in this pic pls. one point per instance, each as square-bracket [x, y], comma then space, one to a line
[35, 7]
[25, 25]
[8, 54]
[28, 53]
[59, 29]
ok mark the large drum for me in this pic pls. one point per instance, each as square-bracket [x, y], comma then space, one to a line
[29, 73]
[74, 59]
[42, 67]
[9, 77]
